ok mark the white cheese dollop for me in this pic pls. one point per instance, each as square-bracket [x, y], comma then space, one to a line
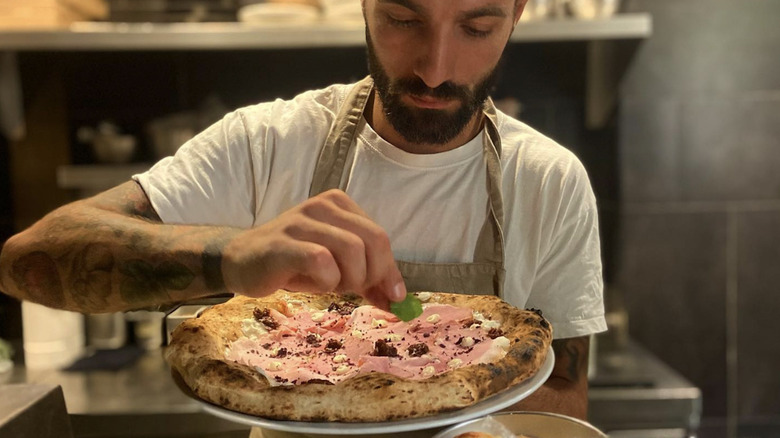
[454, 363]
[501, 342]
[434, 318]
[339, 358]
[424, 296]
[490, 324]
[466, 342]
[378, 323]
[497, 350]
[252, 329]
[428, 371]
[317, 316]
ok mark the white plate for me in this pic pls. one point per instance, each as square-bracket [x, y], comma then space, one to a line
[485, 407]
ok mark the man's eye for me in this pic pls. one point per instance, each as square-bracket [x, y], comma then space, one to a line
[401, 23]
[472, 31]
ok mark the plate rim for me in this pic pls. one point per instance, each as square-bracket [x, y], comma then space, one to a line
[487, 406]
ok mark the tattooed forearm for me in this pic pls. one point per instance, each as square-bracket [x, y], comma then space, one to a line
[110, 253]
[571, 357]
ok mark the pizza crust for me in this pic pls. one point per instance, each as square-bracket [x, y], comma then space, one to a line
[198, 346]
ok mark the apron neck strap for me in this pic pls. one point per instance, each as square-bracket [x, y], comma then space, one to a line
[329, 170]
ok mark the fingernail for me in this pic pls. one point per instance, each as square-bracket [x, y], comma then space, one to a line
[399, 291]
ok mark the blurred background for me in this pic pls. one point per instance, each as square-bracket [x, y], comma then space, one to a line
[672, 105]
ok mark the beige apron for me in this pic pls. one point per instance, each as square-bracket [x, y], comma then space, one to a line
[485, 276]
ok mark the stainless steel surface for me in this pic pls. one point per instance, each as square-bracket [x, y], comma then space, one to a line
[632, 389]
[228, 36]
[33, 411]
[141, 400]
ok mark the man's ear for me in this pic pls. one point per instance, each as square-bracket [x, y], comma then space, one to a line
[519, 7]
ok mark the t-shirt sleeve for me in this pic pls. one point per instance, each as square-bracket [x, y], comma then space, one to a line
[208, 181]
[568, 286]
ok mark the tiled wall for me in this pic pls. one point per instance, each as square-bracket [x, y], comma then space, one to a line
[699, 249]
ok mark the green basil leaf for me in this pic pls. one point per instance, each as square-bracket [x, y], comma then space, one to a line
[408, 309]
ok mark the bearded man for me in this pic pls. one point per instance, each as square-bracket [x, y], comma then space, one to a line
[409, 180]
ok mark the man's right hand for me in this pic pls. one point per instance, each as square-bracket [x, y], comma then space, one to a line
[327, 243]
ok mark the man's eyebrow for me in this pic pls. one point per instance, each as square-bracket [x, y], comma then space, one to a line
[487, 11]
[414, 7]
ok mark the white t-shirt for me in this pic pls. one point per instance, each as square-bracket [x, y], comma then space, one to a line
[258, 162]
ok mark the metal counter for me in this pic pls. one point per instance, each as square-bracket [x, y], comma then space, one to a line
[631, 390]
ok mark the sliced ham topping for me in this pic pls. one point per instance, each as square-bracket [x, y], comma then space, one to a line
[332, 345]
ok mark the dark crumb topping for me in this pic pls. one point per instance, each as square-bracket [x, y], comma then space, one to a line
[494, 333]
[281, 352]
[382, 348]
[417, 350]
[313, 340]
[469, 322]
[332, 345]
[344, 308]
[264, 317]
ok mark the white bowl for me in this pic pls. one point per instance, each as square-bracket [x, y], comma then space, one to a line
[276, 14]
[593, 9]
[531, 424]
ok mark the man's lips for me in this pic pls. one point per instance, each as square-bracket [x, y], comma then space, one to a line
[430, 102]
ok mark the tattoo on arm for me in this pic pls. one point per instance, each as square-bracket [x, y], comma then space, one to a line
[36, 273]
[212, 266]
[145, 284]
[571, 357]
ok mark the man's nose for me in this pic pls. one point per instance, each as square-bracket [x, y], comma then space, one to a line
[435, 63]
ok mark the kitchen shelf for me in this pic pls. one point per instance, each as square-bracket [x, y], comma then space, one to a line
[91, 179]
[235, 36]
[606, 60]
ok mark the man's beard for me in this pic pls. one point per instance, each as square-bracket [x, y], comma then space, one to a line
[425, 125]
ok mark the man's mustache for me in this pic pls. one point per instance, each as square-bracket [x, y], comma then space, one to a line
[417, 87]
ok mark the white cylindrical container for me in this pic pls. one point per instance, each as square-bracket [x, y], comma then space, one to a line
[53, 339]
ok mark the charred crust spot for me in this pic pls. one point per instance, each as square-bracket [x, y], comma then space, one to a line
[544, 324]
[266, 346]
[195, 329]
[536, 311]
[264, 317]
[319, 382]
[417, 350]
[332, 345]
[382, 348]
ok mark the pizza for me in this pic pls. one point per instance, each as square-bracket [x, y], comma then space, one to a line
[329, 357]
